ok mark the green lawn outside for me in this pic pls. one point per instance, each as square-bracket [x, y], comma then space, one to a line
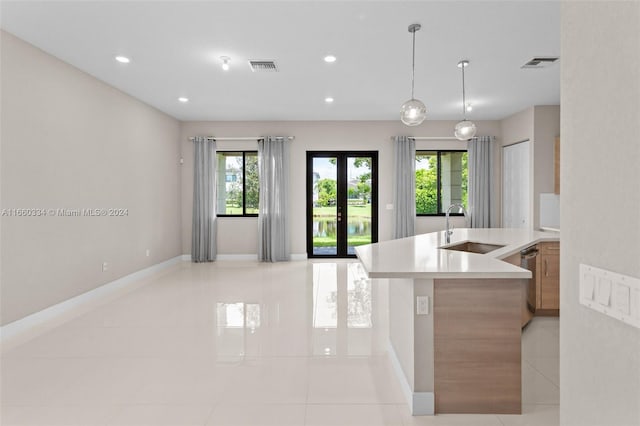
[354, 240]
[238, 211]
[353, 211]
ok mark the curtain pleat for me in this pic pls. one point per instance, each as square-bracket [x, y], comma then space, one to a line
[480, 162]
[203, 232]
[405, 187]
[273, 213]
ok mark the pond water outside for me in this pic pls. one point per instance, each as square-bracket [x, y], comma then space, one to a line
[325, 234]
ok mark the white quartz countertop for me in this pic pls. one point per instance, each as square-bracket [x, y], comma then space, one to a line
[421, 256]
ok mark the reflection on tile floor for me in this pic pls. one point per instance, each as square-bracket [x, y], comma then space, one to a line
[241, 343]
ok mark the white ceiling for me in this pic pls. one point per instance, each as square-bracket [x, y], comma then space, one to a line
[175, 48]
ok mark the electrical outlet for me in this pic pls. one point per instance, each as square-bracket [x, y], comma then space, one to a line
[105, 266]
[148, 252]
[422, 305]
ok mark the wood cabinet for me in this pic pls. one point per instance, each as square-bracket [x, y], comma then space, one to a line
[526, 314]
[477, 364]
[548, 277]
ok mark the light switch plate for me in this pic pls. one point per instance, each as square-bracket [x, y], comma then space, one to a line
[610, 293]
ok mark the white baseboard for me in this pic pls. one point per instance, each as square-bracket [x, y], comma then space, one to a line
[420, 403]
[246, 257]
[23, 329]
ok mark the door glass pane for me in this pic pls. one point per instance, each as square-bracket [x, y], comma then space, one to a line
[358, 202]
[325, 212]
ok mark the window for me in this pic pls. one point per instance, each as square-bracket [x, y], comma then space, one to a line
[238, 189]
[441, 180]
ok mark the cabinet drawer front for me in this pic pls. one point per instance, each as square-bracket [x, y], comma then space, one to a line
[550, 281]
[552, 247]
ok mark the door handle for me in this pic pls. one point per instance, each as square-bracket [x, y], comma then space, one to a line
[546, 268]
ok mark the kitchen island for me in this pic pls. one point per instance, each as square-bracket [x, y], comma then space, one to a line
[455, 316]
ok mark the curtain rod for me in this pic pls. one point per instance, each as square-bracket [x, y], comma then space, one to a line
[245, 138]
[437, 138]
[429, 138]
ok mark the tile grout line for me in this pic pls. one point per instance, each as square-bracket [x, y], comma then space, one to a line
[543, 375]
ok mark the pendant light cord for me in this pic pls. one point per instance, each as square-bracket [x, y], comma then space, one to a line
[464, 99]
[413, 62]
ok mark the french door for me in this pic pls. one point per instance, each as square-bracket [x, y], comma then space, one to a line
[342, 202]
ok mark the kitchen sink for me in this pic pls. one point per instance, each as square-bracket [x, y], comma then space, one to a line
[473, 247]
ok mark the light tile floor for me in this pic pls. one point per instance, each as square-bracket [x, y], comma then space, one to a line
[241, 343]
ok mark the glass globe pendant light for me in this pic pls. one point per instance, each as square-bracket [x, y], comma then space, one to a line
[465, 129]
[413, 112]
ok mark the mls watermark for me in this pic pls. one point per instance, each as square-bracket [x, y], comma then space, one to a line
[61, 212]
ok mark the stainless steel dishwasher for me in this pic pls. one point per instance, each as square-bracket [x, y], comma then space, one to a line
[528, 260]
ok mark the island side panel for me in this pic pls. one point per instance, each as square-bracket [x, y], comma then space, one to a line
[423, 338]
[401, 330]
[477, 349]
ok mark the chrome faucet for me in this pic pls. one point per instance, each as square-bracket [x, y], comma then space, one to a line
[449, 230]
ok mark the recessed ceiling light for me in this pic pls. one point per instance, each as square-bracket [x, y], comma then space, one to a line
[183, 99]
[225, 62]
[328, 100]
[123, 59]
[330, 58]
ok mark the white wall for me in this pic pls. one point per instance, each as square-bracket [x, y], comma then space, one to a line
[518, 127]
[541, 125]
[546, 127]
[600, 207]
[239, 235]
[70, 141]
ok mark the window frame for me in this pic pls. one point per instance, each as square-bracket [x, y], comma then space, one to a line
[244, 171]
[439, 153]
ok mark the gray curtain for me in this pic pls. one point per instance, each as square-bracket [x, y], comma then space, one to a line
[273, 212]
[480, 181]
[203, 230]
[405, 187]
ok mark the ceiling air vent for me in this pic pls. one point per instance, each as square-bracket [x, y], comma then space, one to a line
[540, 62]
[263, 66]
